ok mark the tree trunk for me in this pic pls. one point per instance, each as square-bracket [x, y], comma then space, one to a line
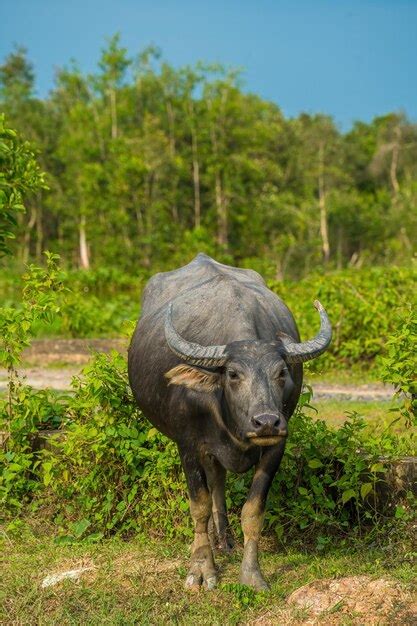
[172, 150]
[339, 248]
[113, 113]
[325, 247]
[39, 235]
[84, 256]
[148, 219]
[221, 205]
[26, 242]
[394, 162]
[196, 168]
[196, 181]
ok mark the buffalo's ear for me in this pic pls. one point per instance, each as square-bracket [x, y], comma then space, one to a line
[193, 378]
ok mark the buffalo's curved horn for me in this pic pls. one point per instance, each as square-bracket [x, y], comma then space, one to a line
[306, 350]
[193, 353]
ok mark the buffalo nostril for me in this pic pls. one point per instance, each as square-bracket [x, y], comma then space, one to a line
[266, 421]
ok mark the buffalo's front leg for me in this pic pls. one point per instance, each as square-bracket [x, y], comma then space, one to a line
[202, 568]
[253, 513]
[219, 531]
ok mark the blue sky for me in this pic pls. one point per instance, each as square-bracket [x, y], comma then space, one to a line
[351, 59]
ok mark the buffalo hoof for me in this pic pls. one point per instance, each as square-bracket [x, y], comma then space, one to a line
[193, 582]
[254, 579]
[202, 571]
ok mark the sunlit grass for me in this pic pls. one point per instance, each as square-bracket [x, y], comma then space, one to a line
[141, 582]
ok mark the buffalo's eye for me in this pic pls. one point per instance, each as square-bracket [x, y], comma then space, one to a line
[232, 375]
[280, 377]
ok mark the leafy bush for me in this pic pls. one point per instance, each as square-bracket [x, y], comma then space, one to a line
[19, 175]
[23, 412]
[20, 459]
[400, 365]
[113, 472]
[41, 287]
[83, 316]
[88, 307]
[364, 307]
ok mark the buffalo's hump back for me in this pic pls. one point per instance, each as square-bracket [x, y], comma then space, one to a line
[166, 286]
[216, 301]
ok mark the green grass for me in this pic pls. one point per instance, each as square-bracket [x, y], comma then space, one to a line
[141, 581]
[334, 411]
[342, 375]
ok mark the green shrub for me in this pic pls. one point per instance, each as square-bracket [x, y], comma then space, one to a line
[83, 316]
[113, 470]
[364, 306]
[32, 411]
[19, 176]
[399, 367]
[23, 412]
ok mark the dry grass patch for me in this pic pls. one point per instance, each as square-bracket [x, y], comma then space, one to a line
[142, 582]
[353, 600]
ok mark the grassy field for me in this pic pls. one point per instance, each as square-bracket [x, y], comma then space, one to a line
[141, 582]
[335, 411]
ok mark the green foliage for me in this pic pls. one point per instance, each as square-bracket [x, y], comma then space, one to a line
[91, 304]
[365, 308]
[399, 366]
[142, 157]
[113, 470]
[24, 412]
[83, 316]
[330, 481]
[243, 595]
[39, 303]
[20, 457]
[19, 175]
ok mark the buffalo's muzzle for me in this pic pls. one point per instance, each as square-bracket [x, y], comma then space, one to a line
[268, 425]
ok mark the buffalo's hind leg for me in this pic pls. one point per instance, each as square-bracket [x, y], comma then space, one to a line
[220, 534]
[202, 568]
[253, 513]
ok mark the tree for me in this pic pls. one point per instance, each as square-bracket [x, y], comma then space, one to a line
[146, 163]
[19, 176]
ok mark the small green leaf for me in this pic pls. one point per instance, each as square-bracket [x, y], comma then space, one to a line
[80, 527]
[399, 512]
[377, 467]
[348, 495]
[315, 463]
[365, 489]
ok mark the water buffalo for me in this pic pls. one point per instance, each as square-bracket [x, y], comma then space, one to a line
[215, 363]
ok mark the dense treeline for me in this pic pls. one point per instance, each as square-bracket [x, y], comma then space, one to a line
[147, 164]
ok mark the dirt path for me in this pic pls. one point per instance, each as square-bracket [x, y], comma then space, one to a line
[367, 393]
[60, 380]
[41, 357]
